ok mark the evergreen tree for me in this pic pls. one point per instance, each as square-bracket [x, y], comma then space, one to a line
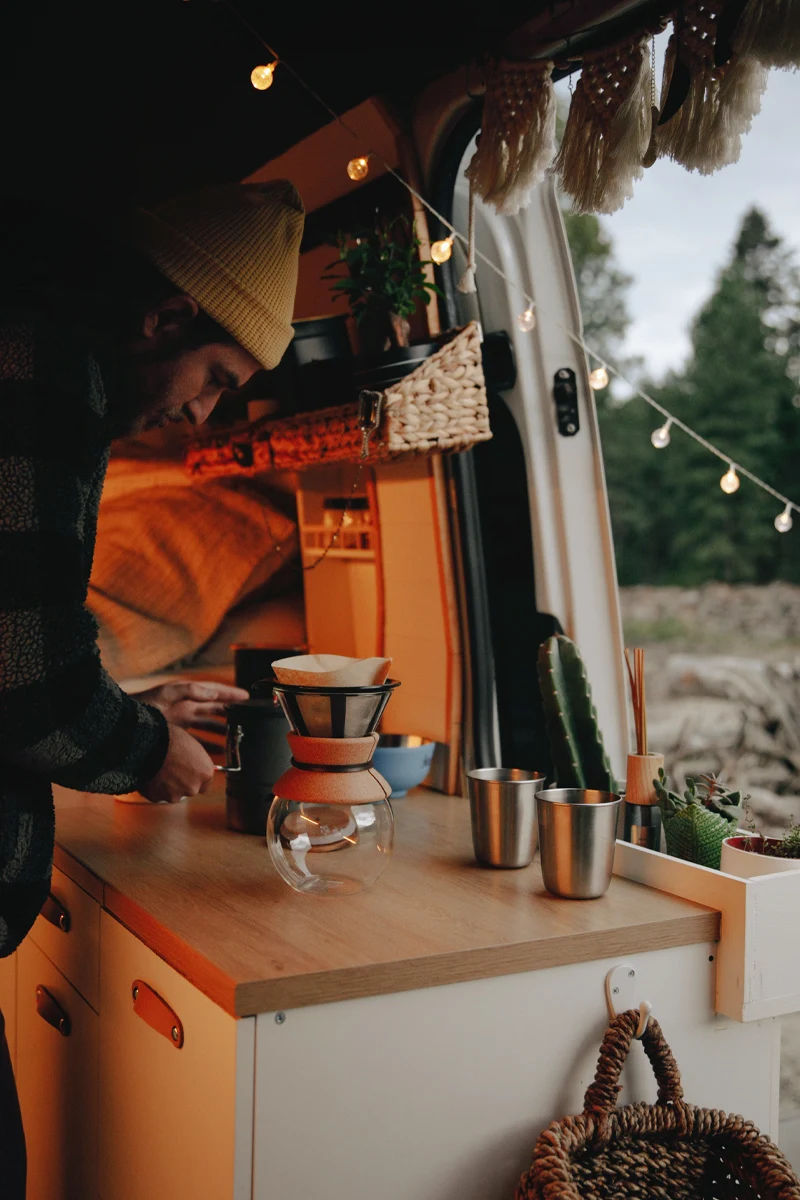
[740, 389]
[736, 391]
[601, 284]
[624, 427]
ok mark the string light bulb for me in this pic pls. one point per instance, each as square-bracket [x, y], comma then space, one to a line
[262, 77]
[358, 168]
[442, 250]
[527, 320]
[660, 437]
[598, 379]
[783, 521]
[730, 481]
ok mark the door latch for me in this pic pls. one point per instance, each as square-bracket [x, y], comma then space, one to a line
[565, 395]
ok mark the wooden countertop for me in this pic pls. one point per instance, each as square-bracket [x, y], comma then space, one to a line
[209, 902]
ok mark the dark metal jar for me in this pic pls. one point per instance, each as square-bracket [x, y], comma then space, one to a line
[265, 755]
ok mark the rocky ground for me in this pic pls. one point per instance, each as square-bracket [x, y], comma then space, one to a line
[723, 683]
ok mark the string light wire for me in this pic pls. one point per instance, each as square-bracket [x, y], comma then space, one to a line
[456, 234]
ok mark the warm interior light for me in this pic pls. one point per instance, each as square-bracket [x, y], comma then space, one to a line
[358, 168]
[527, 320]
[598, 379]
[730, 481]
[442, 250]
[660, 437]
[262, 77]
[783, 521]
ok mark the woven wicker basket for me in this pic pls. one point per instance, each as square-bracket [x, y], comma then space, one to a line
[670, 1149]
[441, 406]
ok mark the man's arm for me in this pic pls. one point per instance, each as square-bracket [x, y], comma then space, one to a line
[61, 715]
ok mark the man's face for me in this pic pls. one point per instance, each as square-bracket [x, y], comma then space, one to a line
[165, 376]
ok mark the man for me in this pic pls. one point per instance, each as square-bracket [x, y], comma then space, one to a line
[94, 346]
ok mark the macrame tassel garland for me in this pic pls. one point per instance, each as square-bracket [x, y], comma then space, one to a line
[769, 30]
[517, 140]
[467, 283]
[609, 127]
[715, 102]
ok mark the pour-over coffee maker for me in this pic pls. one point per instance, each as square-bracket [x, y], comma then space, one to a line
[330, 828]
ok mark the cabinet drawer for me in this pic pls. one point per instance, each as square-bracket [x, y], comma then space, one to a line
[167, 1114]
[68, 931]
[56, 1080]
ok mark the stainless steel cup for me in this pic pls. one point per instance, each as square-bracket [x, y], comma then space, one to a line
[502, 804]
[577, 834]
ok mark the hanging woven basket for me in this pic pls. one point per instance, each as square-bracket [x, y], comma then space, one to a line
[669, 1149]
[441, 406]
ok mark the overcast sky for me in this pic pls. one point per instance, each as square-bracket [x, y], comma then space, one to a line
[675, 233]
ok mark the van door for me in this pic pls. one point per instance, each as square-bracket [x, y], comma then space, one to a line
[534, 492]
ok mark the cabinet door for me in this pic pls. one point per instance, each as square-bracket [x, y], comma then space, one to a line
[8, 1002]
[58, 1081]
[167, 1114]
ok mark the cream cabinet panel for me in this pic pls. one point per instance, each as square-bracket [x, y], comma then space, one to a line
[57, 1081]
[8, 1002]
[167, 1115]
[68, 931]
[440, 1094]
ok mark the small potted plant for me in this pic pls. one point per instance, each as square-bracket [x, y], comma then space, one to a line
[751, 853]
[384, 283]
[697, 823]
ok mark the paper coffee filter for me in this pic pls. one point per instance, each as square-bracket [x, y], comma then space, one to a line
[331, 670]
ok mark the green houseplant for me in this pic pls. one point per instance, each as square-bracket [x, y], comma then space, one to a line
[385, 281]
[697, 823]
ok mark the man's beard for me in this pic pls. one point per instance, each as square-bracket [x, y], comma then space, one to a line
[137, 396]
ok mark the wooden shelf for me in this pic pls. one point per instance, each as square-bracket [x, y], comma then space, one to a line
[353, 555]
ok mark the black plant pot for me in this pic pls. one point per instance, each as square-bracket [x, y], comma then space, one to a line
[317, 370]
[379, 371]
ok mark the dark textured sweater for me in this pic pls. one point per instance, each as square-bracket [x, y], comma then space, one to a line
[62, 718]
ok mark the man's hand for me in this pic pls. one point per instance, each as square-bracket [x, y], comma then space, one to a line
[195, 705]
[186, 770]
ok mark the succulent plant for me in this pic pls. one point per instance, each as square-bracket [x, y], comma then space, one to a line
[579, 754]
[786, 846]
[697, 823]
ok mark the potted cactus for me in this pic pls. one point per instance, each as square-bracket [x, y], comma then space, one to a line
[697, 823]
[579, 754]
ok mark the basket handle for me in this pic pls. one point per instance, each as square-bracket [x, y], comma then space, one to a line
[601, 1095]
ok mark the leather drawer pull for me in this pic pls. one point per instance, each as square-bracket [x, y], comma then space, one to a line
[55, 912]
[148, 1005]
[51, 1011]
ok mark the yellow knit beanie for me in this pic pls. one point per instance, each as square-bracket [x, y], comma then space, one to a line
[234, 248]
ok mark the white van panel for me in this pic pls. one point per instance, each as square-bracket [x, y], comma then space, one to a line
[573, 551]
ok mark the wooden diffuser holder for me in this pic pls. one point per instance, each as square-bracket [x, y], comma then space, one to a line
[642, 770]
[332, 771]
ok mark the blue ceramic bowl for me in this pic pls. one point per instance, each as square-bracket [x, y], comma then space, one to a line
[403, 760]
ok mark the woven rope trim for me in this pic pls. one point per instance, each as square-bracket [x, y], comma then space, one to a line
[441, 406]
[513, 93]
[608, 75]
[697, 31]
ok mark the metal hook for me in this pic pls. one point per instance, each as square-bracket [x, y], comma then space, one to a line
[621, 996]
[645, 1008]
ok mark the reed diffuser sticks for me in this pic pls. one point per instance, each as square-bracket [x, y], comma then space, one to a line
[642, 814]
[638, 696]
